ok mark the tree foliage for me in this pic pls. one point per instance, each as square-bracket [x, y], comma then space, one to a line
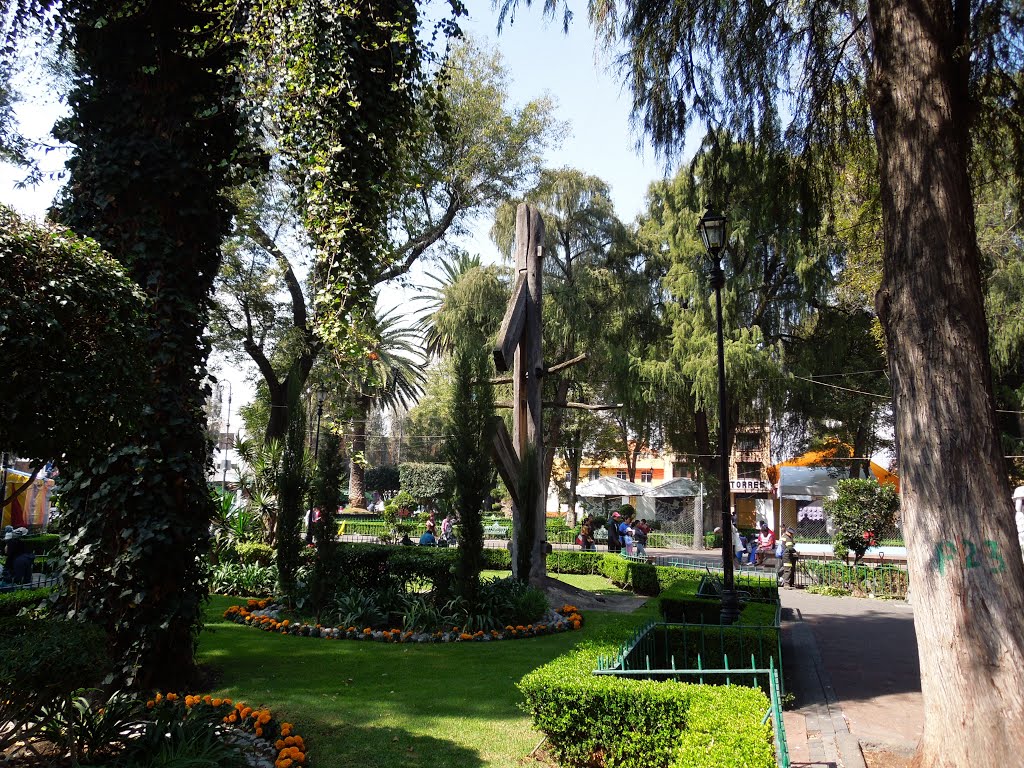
[71, 341]
[467, 448]
[858, 513]
[427, 483]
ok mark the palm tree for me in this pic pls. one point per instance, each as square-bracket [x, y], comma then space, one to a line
[463, 304]
[392, 376]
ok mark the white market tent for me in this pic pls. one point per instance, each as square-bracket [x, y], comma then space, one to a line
[609, 488]
[665, 501]
[605, 487]
[674, 489]
[806, 483]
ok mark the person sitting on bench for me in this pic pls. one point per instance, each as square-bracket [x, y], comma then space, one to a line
[18, 557]
[765, 543]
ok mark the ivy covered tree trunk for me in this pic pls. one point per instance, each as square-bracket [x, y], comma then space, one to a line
[155, 129]
[964, 560]
[292, 484]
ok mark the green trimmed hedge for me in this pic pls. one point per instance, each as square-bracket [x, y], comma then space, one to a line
[11, 603]
[41, 660]
[602, 720]
[680, 604]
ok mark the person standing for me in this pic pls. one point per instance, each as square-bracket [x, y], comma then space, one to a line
[640, 531]
[787, 558]
[613, 533]
[626, 535]
[584, 534]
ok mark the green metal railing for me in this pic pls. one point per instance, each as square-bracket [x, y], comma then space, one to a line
[634, 660]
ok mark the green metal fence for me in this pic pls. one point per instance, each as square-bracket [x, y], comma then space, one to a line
[648, 655]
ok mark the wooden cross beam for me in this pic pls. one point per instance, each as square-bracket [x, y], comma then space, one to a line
[553, 369]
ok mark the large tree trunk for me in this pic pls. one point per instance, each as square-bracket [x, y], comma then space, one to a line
[965, 565]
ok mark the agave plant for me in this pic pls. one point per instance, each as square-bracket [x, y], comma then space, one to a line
[233, 524]
[259, 481]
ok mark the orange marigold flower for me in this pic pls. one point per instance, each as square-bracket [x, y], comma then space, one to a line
[279, 745]
[264, 718]
[284, 763]
[289, 741]
[159, 698]
[150, 704]
[217, 702]
[172, 697]
[286, 728]
[259, 731]
[285, 623]
[207, 699]
[246, 711]
[367, 631]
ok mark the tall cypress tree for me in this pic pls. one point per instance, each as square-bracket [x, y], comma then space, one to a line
[468, 437]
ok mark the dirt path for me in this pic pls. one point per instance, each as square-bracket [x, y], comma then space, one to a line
[560, 593]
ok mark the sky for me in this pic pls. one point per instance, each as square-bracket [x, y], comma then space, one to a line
[540, 59]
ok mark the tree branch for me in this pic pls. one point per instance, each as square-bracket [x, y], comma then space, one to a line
[299, 317]
[413, 249]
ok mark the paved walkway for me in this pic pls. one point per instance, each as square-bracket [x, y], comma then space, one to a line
[851, 664]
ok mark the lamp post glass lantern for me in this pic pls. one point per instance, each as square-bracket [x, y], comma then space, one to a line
[712, 228]
[712, 232]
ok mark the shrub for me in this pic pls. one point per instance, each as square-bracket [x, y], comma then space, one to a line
[247, 580]
[384, 480]
[12, 603]
[254, 553]
[562, 561]
[42, 544]
[40, 661]
[426, 482]
[497, 560]
[861, 509]
[603, 720]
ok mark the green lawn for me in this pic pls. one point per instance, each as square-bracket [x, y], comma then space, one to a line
[599, 585]
[374, 705]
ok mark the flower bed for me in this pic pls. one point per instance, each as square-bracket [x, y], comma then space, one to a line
[248, 727]
[265, 615]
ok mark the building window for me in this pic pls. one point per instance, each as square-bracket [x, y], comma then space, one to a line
[646, 476]
[683, 469]
[747, 442]
[748, 470]
[594, 474]
[620, 473]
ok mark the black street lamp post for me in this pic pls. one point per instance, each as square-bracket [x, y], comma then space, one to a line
[712, 232]
[321, 395]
